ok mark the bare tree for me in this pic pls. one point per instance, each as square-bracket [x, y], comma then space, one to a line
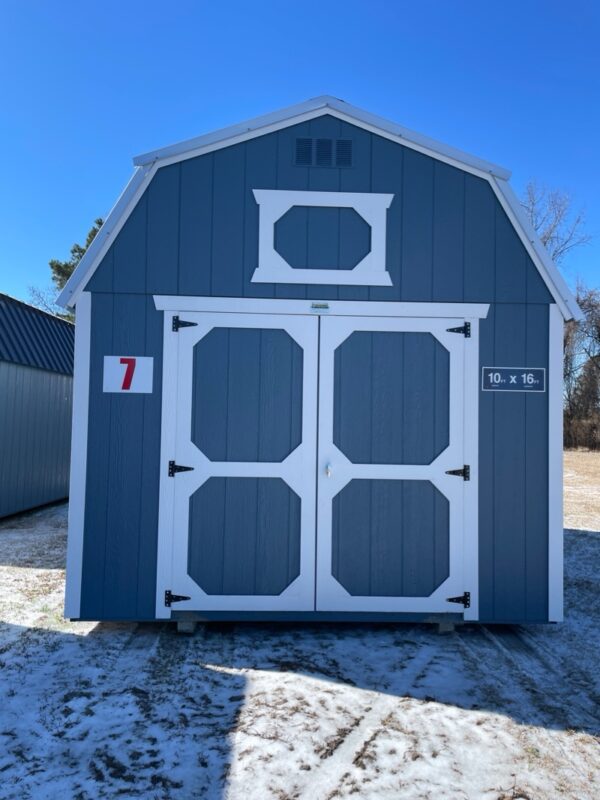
[559, 226]
[562, 229]
[46, 300]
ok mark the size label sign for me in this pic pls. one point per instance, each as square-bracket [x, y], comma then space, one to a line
[513, 379]
[129, 374]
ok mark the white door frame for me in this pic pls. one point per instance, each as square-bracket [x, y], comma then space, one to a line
[296, 470]
[335, 470]
[469, 312]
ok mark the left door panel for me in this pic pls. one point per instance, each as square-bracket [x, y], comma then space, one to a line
[238, 528]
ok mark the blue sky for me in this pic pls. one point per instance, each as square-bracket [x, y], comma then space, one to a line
[86, 86]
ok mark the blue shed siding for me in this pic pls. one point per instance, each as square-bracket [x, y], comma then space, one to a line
[121, 515]
[195, 232]
[513, 471]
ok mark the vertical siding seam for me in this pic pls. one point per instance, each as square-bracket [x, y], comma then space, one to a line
[434, 571]
[260, 380]
[227, 395]
[339, 188]
[307, 237]
[494, 503]
[371, 526]
[212, 223]
[525, 462]
[179, 182]
[372, 483]
[433, 294]
[495, 269]
[403, 537]
[432, 257]
[339, 240]
[146, 235]
[110, 438]
[402, 227]
[464, 235]
[244, 217]
[256, 533]
[142, 462]
[370, 141]
[225, 490]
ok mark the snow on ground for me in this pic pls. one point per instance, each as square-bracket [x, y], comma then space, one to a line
[293, 712]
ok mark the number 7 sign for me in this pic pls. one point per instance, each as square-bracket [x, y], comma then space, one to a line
[128, 374]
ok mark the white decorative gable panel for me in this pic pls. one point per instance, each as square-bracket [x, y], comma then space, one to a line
[273, 268]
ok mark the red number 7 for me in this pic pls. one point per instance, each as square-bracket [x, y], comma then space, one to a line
[129, 370]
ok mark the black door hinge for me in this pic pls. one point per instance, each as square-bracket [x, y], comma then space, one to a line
[464, 472]
[171, 598]
[175, 468]
[465, 599]
[464, 329]
[181, 323]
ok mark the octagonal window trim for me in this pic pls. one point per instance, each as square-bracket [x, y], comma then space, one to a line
[273, 268]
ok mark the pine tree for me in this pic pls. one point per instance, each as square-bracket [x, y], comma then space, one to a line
[62, 270]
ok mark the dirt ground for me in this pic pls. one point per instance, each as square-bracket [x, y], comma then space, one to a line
[582, 489]
[268, 712]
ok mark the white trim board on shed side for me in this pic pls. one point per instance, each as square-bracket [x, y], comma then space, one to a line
[495, 176]
[79, 447]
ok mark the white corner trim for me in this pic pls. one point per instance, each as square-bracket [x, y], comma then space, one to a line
[360, 308]
[555, 466]
[79, 442]
[548, 270]
[273, 268]
[117, 217]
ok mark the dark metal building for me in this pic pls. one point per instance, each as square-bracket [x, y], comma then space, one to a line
[36, 368]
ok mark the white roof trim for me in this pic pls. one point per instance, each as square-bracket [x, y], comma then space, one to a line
[548, 270]
[102, 240]
[147, 165]
[188, 148]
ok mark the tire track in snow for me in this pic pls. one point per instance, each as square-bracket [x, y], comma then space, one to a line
[539, 673]
[329, 774]
[531, 677]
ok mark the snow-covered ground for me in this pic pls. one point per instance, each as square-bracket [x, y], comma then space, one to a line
[254, 712]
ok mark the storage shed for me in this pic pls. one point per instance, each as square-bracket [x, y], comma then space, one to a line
[318, 376]
[36, 384]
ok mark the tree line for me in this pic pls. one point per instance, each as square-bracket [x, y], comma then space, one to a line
[561, 230]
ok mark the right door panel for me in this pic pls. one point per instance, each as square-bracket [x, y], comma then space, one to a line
[389, 528]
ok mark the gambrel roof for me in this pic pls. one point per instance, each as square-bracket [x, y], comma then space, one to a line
[147, 164]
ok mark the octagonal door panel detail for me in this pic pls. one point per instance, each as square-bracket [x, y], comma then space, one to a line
[406, 553]
[244, 400]
[397, 382]
[391, 425]
[247, 394]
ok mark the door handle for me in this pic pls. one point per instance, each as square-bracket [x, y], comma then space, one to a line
[328, 470]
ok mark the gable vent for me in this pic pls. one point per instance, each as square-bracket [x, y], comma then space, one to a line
[323, 152]
[343, 153]
[304, 148]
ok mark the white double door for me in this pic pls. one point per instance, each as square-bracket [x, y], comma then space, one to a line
[316, 454]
